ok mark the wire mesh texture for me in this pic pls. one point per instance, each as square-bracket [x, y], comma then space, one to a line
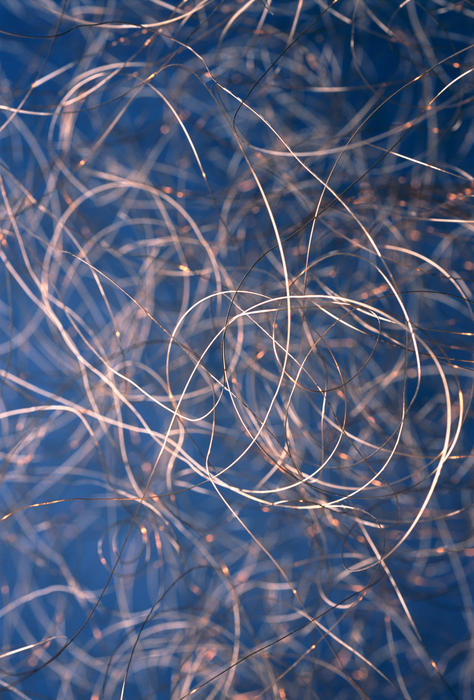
[236, 349]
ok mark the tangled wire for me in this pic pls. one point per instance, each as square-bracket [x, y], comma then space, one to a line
[236, 345]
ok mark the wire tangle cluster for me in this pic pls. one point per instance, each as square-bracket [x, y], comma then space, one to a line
[236, 349]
